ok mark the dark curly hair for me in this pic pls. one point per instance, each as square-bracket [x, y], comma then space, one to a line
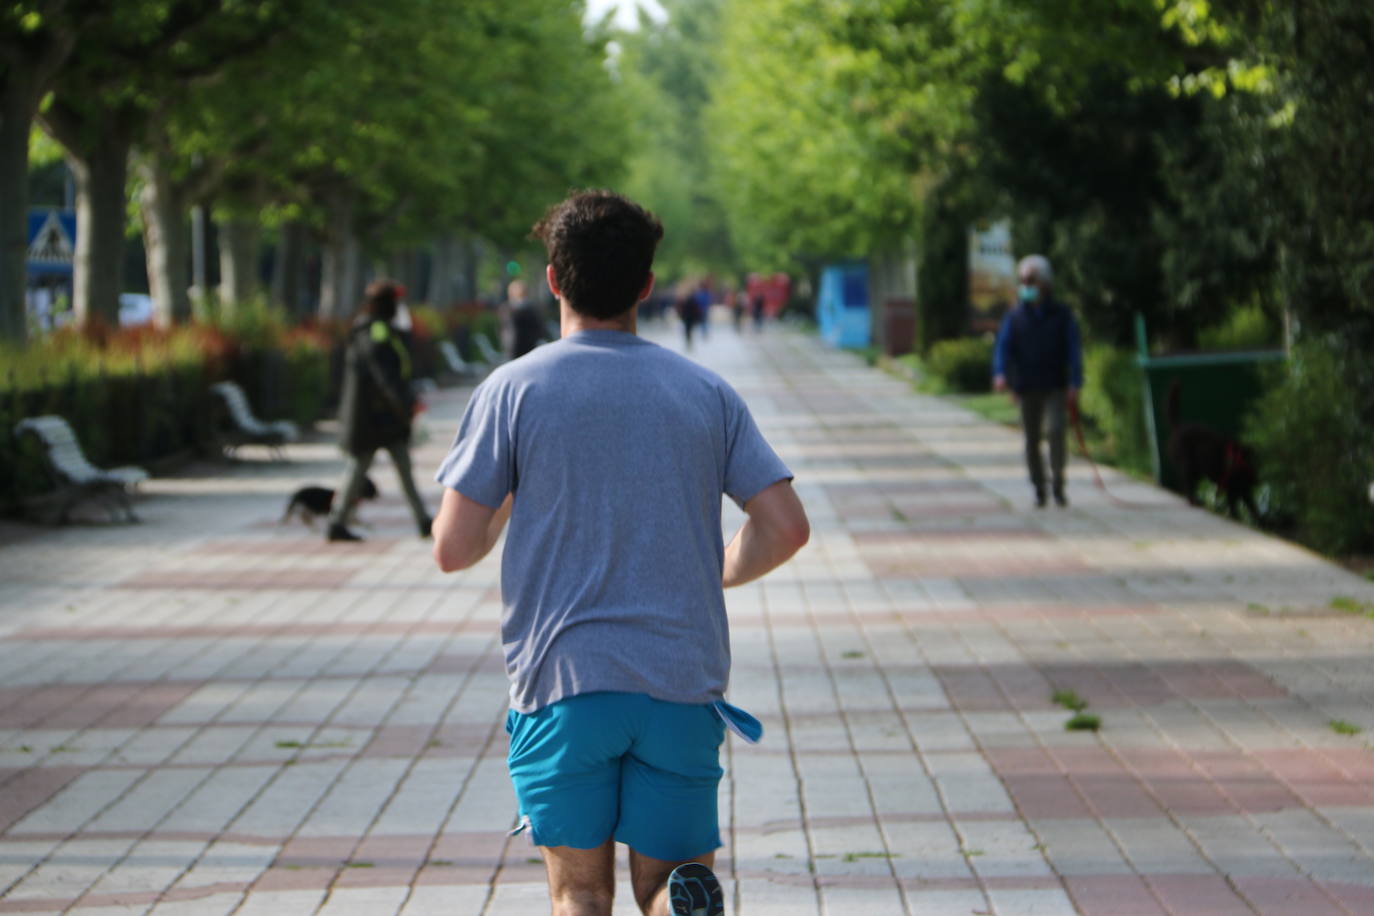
[380, 299]
[601, 246]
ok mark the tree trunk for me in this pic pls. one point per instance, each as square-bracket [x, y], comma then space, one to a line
[288, 270]
[16, 115]
[436, 290]
[100, 218]
[167, 241]
[341, 268]
[238, 261]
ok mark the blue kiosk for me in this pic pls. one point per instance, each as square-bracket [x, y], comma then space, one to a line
[842, 308]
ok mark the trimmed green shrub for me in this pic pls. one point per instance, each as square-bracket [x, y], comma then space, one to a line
[963, 365]
[1246, 328]
[1315, 449]
[1113, 406]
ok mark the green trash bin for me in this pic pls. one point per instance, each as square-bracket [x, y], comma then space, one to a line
[1215, 389]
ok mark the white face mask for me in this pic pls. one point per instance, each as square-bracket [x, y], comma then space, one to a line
[402, 320]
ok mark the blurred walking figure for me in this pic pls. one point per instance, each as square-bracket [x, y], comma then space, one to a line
[609, 455]
[756, 309]
[1039, 357]
[523, 324]
[688, 312]
[376, 407]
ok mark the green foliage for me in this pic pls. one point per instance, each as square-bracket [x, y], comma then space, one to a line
[1246, 328]
[1070, 700]
[1342, 727]
[1113, 406]
[1083, 722]
[1311, 435]
[963, 365]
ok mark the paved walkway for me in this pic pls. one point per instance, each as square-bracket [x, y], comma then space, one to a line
[209, 714]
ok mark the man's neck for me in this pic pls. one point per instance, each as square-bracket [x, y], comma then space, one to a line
[570, 321]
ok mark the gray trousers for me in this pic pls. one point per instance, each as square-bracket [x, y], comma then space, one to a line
[356, 470]
[1036, 408]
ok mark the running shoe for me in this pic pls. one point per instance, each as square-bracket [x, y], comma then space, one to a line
[694, 891]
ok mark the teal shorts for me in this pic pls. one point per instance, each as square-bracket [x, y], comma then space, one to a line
[623, 765]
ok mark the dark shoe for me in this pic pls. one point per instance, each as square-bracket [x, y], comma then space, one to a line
[338, 532]
[426, 527]
[694, 891]
[1039, 499]
[1060, 499]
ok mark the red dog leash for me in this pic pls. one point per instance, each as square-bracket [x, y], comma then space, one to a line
[1076, 421]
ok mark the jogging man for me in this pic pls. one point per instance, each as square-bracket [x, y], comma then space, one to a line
[609, 455]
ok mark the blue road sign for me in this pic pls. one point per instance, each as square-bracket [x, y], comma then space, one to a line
[52, 242]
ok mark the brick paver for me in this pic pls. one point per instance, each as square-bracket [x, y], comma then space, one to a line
[209, 714]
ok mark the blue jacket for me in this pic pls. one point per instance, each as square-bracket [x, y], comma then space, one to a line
[1039, 349]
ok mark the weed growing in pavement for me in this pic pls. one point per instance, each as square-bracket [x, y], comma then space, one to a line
[851, 653]
[1342, 727]
[856, 856]
[1256, 608]
[1352, 606]
[1083, 722]
[1069, 699]
[970, 853]
[359, 865]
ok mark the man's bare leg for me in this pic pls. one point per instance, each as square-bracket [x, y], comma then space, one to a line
[649, 878]
[581, 881]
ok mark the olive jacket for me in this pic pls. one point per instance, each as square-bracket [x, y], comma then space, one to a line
[377, 404]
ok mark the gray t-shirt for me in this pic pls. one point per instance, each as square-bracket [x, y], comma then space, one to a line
[618, 452]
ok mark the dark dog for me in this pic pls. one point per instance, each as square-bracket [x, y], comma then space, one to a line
[310, 503]
[1201, 453]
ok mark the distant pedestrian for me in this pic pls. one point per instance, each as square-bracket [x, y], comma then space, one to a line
[524, 326]
[376, 407]
[689, 312]
[756, 309]
[1039, 357]
[609, 455]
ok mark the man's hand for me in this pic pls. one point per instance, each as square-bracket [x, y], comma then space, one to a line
[775, 530]
[999, 383]
[465, 530]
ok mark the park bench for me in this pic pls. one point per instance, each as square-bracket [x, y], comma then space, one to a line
[246, 428]
[74, 477]
[454, 360]
[487, 351]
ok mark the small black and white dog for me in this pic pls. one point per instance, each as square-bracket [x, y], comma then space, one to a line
[311, 503]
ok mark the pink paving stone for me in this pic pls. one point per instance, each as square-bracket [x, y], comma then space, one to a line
[1315, 778]
[1357, 898]
[247, 579]
[1249, 785]
[149, 704]
[1044, 797]
[308, 852]
[1110, 789]
[92, 706]
[1286, 896]
[400, 741]
[295, 879]
[1021, 761]
[1196, 895]
[1113, 895]
[360, 875]
[26, 706]
[23, 790]
[36, 905]
[408, 851]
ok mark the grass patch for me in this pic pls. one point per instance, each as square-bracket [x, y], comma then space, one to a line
[851, 653]
[970, 853]
[1070, 700]
[300, 745]
[1083, 722]
[1350, 605]
[1342, 727]
[359, 865]
[993, 406]
[856, 856]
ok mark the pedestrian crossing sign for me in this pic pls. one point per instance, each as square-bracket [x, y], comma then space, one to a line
[52, 241]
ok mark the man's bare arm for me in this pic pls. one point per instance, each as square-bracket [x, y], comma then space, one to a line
[465, 530]
[775, 530]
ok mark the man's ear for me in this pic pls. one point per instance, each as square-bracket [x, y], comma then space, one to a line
[648, 288]
[553, 281]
